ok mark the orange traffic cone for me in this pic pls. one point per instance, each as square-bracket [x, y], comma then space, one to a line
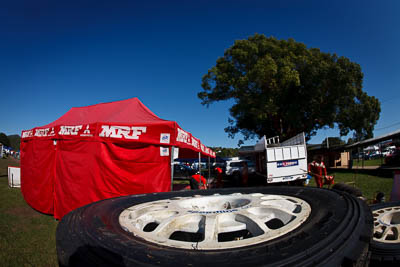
[395, 195]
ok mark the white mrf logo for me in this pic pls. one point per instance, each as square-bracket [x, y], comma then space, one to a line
[69, 130]
[126, 132]
[27, 134]
[44, 132]
[183, 136]
[195, 143]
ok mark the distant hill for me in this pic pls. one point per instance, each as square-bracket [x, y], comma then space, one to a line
[15, 141]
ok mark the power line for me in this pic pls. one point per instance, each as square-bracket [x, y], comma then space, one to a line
[389, 99]
[389, 126]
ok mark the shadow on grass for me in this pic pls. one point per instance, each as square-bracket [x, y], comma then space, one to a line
[383, 172]
[91, 256]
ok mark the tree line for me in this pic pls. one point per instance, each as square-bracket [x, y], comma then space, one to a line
[12, 141]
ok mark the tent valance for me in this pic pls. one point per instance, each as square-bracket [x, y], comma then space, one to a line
[99, 123]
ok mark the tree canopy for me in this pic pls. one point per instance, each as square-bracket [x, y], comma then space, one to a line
[333, 141]
[225, 152]
[281, 87]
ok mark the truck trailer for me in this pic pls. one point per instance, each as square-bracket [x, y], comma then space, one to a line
[280, 162]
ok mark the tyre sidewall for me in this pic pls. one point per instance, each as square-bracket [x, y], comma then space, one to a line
[317, 240]
[386, 252]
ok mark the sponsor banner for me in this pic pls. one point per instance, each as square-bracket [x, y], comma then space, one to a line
[165, 138]
[44, 132]
[104, 132]
[87, 132]
[164, 151]
[122, 132]
[186, 138]
[58, 132]
[27, 134]
[287, 163]
[183, 137]
[151, 134]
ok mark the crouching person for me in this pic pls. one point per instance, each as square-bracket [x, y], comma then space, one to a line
[195, 181]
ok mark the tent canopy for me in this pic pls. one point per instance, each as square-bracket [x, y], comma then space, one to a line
[121, 121]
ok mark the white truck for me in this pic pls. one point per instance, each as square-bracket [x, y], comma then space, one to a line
[282, 162]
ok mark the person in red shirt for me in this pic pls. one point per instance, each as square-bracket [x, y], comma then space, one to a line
[317, 169]
[219, 177]
[195, 181]
[245, 174]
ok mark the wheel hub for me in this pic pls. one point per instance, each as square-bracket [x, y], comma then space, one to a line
[216, 221]
[387, 225]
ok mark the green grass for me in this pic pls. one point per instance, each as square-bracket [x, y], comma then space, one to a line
[369, 162]
[369, 184]
[27, 237]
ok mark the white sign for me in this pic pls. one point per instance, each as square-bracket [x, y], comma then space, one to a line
[164, 151]
[14, 176]
[176, 152]
[165, 138]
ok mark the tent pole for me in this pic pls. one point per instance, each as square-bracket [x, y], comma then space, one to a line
[209, 168]
[200, 169]
[172, 167]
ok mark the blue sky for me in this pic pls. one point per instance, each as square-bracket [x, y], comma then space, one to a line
[55, 55]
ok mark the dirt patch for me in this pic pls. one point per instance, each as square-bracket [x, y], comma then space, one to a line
[24, 211]
[4, 163]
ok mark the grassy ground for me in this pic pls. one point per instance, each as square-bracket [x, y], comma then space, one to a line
[369, 162]
[368, 183]
[27, 237]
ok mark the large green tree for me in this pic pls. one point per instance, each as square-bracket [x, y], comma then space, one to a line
[282, 88]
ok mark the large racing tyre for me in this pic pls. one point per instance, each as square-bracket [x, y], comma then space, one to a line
[269, 226]
[348, 189]
[385, 246]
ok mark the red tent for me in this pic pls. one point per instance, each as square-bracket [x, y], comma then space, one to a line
[100, 151]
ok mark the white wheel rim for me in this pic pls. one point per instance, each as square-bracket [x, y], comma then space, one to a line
[387, 225]
[215, 222]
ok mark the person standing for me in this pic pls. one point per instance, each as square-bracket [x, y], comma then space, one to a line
[219, 177]
[317, 169]
[245, 174]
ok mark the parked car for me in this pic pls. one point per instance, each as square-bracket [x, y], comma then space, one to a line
[195, 165]
[393, 158]
[235, 166]
[388, 150]
[360, 156]
[182, 171]
[375, 155]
